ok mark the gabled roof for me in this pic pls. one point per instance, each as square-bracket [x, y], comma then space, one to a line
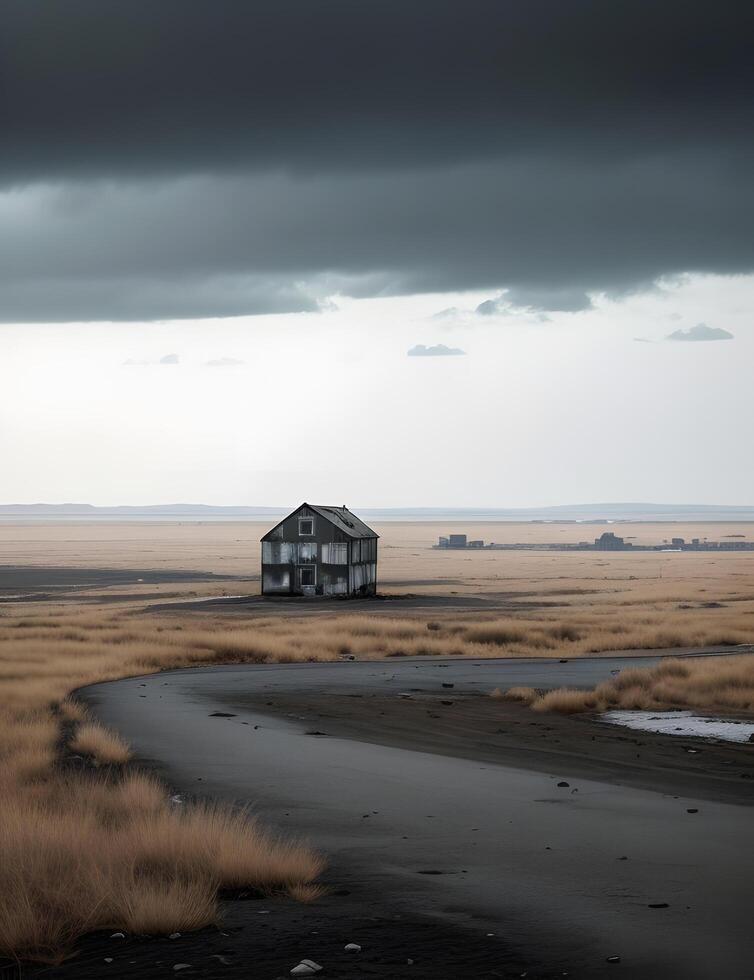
[341, 517]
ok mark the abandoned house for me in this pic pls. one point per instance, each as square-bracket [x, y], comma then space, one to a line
[319, 551]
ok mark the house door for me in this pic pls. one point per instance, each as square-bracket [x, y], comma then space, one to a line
[307, 577]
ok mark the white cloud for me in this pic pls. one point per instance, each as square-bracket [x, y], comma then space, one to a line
[436, 350]
[449, 313]
[701, 332]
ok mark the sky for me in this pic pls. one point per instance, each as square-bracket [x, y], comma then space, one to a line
[427, 254]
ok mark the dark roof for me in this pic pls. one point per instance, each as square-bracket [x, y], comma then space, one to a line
[341, 517]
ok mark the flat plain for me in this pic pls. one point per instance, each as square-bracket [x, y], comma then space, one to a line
[87, 603]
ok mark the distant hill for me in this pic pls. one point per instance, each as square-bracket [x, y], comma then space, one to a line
[125, 510]
[561, 512]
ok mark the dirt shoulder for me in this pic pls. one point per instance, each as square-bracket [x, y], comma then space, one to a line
[480, 728]
[265, 938]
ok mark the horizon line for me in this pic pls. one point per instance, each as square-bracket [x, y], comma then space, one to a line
[407, 508]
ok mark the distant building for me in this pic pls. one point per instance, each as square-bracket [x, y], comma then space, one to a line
[459, 541]
[319, 550]
[610, 542]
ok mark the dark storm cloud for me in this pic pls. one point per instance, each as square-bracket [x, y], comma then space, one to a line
[189, 159]
[203, 247]
[184, 86]
[536, 298]
[701, 332]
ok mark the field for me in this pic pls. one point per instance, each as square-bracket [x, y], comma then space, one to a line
[112, 835]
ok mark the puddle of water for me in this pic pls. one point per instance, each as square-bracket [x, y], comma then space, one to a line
[683, 723]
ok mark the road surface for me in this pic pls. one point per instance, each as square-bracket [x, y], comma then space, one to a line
[576, 872]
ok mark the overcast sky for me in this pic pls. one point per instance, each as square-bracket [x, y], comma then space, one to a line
[481, 253]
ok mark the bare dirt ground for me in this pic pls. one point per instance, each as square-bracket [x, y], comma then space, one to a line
[477, 727]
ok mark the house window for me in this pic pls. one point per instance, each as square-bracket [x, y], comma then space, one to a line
[278, 552]
[335, 553]
[307, 551]
[305, 525]
[307, 575]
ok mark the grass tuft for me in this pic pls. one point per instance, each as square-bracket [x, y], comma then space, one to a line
[703, 683]
[106, 747]
[524, 695]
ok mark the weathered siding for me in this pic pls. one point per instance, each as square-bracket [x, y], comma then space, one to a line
[363, 577]
[276, 580]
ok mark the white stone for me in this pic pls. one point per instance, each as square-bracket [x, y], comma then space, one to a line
[352, 948]
[181, 966]
[306, 968]
[118, 935]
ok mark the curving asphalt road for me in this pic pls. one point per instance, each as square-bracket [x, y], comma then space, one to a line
[573, 870]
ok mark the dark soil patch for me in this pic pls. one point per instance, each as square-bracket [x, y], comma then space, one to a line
[266, 938]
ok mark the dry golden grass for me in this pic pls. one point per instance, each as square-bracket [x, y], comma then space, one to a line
[307, 893]
[70, 710]
[565, 700]
[524, 695]
[104, 746]
[707, 683]
[103, 855]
